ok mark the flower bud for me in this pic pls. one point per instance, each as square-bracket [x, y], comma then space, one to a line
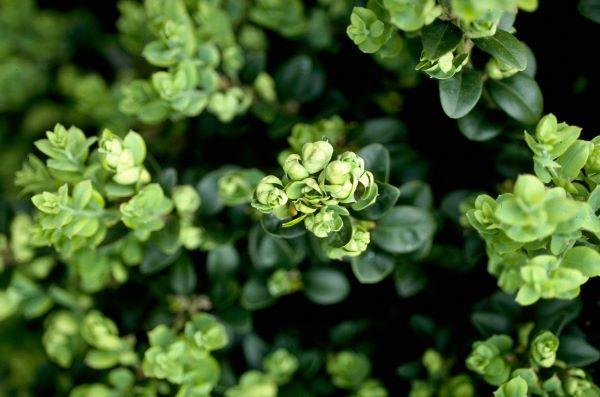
[269, 195]
[283, 282]
[486, 359]
[367, 31]
[281, 365]
[207, 332]
[337, 180]
[348, 369]
[543, 349]
[316, 155]
[516, 387]
[547, 130]
[498, 70]
[592, 165]
[294, 169]
[191, 237]
[326, 221]
[458, 386]
[59, 137]
[186, 199]
[356, 246]
[100, 331]
[127, 176]
[46, 202]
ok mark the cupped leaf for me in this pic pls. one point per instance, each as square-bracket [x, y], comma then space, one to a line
[460, 94]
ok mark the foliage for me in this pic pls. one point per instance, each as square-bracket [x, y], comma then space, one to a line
[246, 215]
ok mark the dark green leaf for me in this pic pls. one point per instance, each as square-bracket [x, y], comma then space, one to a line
[409, 279]
[417, 194]
[404, 229]
[183, 276]
[460, 94]
[439, 38]
[590, 9]
[480, 125]
[519, 96]
[155, 260]
[343, 236]
[274, 226]
[506, 48]
[222, 261]
[325, 286]
[377, 160]
[490, 323]
[255, 295]
[300, 79]
[577, 352]
[388, 195]
[372, 267]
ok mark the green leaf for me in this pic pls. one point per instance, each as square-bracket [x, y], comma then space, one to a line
[377, 160]
[506, 48]
[325, 286]
[491, 323]
[388, 196]
[222, 261]
[300, 78]
[440, 37]
[519, 96]
[416, 193]
[343, 236]
[584, 259]
[572, 161]
[594, 199]
[480, 126]
[372, 267]
[255, 295]
[155, 260]
[590, 9]
[404, 229]
[577, 352]
[82, 193]
[183, 276]
[409, 279]
[275, 227]
[267, 251]
[460, 94]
